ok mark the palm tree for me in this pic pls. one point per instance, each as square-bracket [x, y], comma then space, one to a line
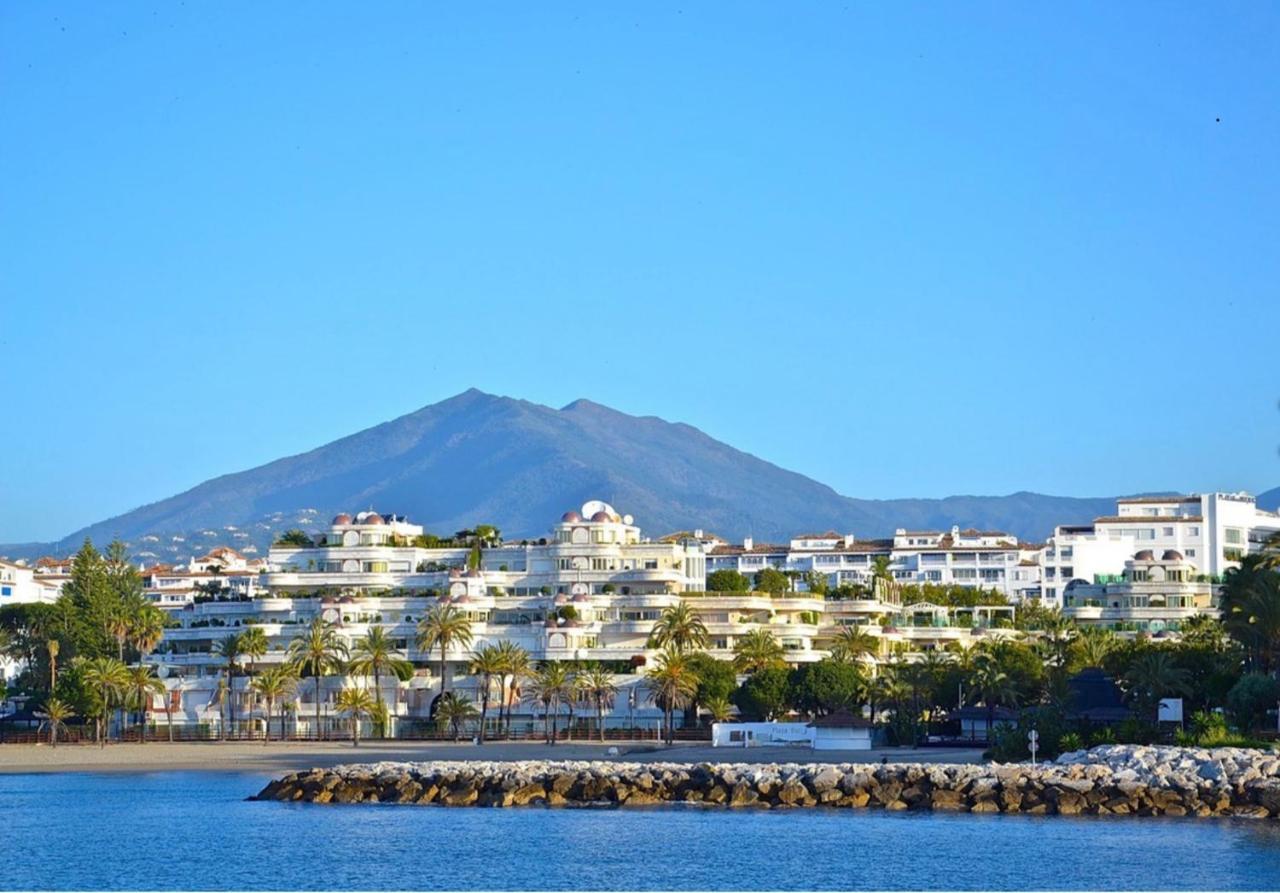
[444, 626]
[1250, 605]
[515, 665]
[882, 582]
[719, 708]
[318, 652]
[487, 663]
[356, 703]
[273, 685]
[253, 645]
[1153, 676]
[142, 685]
[757, 650]
[453, 710]
[673, 684]
[118, 625]
[146, 629]
[1093, 645]
[53, 646]
[548, 686]
[993, 687]
[679, 627]
[108, 679]
[374, 654]
[229, 648]
[596, 683]
[55, 715]
[851, 643]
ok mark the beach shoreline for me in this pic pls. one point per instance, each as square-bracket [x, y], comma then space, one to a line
[284, 757]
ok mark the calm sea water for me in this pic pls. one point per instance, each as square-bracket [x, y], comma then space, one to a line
[192, 830]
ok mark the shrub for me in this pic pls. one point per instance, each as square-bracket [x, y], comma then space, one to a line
[1251, 697]
[1070, 741]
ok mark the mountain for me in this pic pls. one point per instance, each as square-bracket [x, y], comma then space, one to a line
[1270, 500]
[480, 458]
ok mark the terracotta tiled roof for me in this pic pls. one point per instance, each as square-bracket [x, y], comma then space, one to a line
[1139, 500]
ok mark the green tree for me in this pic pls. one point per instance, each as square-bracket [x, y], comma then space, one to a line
[515, 665]
[672, 684]
[228, 647]
[853, 642]
[453, 710]
[273, 686]
[727, 581]
[1153, 676]
[142, 685]
[772, 581]
[54, 716]
[356, 703]
[721, 709]
[765, 694]
[106, 679]
[487, 662]
[757, 650]
[1251, 698]
[1250, 605]
[318, 652]
[597, 685]
[716, 678]
[253, 645]
[679, 627]
[294, 537]
[549, 686]
[826, 686]
[375, 654]
[444, 627]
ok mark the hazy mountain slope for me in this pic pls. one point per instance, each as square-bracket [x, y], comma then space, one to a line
[477, 457]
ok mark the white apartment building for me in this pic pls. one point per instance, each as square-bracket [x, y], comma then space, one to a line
[19, 585]
[973, 558]
[1213, 531]
[1155, 594]
[222, 572]
[591, 590]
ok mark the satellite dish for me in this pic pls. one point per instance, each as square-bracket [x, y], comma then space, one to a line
[627, 519]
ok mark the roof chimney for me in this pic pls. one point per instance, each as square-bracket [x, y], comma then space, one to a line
[748, 543]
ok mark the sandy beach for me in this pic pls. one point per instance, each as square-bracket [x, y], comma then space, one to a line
[285, 757]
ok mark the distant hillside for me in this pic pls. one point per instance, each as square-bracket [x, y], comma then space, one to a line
[479, 458]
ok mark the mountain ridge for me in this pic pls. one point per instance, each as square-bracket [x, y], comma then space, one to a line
[477, 457]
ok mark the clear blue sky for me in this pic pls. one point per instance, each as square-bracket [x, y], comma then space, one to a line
[965, 248]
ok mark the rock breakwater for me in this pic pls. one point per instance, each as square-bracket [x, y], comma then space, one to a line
[1120, 780]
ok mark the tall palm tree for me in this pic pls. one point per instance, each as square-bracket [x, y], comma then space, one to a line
[757, 650]
[374, 654]
[444, 627]
[53, 646]
[229, 649]
[118, 624]
[453, 710]
[486, 662]
[548, 686]
[851, 643]
[597, 685]
[356, 702]
[516, 664]
[993, 686]
[55, 714]
[274, 685]
[1153, 676]
[673, 683]
[318, 652]
[108, 679]
[142, 685]
[679, 627]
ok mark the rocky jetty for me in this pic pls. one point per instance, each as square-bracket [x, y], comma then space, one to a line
[1119, 780]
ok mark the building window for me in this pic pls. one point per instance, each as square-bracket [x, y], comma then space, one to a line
[1233, 536]
[1168, 531]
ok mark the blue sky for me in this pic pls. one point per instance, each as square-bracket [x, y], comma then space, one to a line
[907, 250]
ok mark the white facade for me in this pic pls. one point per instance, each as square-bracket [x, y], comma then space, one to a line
[1212, 531]
[1155, 594]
